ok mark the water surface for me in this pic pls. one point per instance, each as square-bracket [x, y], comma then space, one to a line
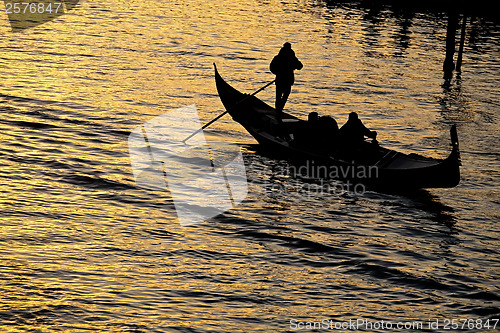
[84, 249]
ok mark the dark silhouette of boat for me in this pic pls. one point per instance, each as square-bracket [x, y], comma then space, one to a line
[369, 164]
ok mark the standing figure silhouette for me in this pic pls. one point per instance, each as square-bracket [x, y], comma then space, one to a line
[283, 66]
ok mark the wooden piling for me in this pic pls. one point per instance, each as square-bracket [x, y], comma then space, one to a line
[461, 46]
[449, 65]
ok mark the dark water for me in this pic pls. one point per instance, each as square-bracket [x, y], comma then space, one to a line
[82, 248]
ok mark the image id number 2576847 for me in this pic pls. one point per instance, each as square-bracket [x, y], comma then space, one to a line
[32, 7]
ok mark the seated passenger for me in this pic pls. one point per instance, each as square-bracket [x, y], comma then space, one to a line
[329, 125]
[313, 117]
[328, 133]
[317, 133]
[305, 133]
[353, 132]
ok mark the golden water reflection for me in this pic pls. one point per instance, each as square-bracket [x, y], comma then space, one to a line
[83, 248]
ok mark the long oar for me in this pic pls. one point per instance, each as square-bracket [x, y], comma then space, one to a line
[230, 109]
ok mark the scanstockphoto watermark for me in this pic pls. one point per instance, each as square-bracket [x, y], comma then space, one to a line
[204, 178]
[363, 324]
[312, 179]
[355, 325]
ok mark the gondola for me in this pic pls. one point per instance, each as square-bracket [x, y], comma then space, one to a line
[369, 164]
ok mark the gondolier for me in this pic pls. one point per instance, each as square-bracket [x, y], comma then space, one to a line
[283, 66]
